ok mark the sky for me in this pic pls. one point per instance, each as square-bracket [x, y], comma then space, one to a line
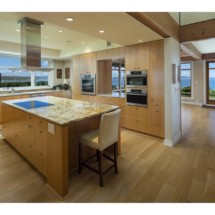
[16, 62]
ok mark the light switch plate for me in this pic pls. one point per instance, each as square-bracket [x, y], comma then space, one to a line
[51, 128]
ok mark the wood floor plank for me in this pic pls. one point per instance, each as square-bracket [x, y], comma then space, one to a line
[149, 171]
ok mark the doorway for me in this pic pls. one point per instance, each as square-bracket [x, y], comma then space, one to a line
[210, 82]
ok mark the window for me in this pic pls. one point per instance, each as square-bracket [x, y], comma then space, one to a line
[186, 79]
[118, 77]
[20, 79]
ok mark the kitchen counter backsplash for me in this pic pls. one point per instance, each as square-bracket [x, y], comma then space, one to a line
[26, 92]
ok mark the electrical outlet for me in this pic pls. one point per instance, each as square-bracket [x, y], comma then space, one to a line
[51, 128]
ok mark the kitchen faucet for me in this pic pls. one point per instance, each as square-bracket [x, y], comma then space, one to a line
[13, 90]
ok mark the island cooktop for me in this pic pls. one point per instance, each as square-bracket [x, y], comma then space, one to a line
[33, 104]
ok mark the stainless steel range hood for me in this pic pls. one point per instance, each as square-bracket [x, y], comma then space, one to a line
[30, 47]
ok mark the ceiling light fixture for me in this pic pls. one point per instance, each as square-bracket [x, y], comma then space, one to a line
[17, 30]
[140, 41]
[82, 42]
[60, 31]
[69, 19]
[101, 31]
[46, 36]
[68, 41]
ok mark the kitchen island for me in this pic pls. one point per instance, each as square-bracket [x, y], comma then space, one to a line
[48, 136]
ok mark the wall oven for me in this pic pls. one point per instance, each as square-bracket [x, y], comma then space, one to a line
[88, 84]
[137, 97]
[137, 78]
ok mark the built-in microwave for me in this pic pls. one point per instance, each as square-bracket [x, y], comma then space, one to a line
[137, 78]
[137, 97]
[88, 84]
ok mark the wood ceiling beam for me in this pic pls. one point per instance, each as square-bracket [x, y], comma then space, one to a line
[160, 22]
[197, 31]
[183, 59]
[209, 56]
[184, 54]
[191, 50]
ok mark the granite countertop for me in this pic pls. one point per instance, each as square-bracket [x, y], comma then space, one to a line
[64, 110]
[114, 94]
[3, 93]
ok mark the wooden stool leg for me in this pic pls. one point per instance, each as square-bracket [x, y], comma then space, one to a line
[100, 169]
[80, 158]
[97, 152]
[115, 156]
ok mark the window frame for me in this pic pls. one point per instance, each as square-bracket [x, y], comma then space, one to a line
[191, 78]
[119, 72]
[50, 75]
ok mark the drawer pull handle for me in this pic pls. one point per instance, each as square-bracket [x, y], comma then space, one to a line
[40, 122]
[29, 146]
[136, 108]
[137, 67]
[16, 135]
[39, 132]
[4, 113]
[156, 111]
[29, 117]
[15, 119]
[4, 126]
[29, 126]
[136, 120]
[156, 104]
[40, 154]
[134, 67]
[157, 124]
[151, 99]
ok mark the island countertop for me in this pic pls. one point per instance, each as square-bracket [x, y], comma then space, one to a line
[64, 110]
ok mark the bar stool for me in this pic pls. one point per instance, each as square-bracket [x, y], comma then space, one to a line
[100, 139]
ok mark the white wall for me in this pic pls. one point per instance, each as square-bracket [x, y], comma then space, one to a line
[61, 64]
[172, 93]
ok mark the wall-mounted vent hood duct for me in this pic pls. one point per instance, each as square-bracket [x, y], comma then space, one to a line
[30, 47]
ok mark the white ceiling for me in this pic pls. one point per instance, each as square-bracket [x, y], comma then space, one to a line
[205, 46]
[194, 17]
[175, 16]
[119, 27]
[56, 40]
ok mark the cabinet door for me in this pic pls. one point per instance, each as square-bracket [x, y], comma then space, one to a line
[76, 74]
[143, 56]
[40, 161]
[131, 57]
[156, 72]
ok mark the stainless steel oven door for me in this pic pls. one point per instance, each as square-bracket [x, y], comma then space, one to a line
[88, 84]
[137, 97]
[137, 79]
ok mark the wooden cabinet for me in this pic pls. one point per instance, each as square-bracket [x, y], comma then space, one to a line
[77, 74]
[110, 53]
[156, 72]
[76, 96]
[137, 57]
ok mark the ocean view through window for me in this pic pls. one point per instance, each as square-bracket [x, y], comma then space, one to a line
[186, 79]
[118, 77]
[9, 79]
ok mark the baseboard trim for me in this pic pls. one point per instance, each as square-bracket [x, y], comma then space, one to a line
[174, 141]
[191, 103]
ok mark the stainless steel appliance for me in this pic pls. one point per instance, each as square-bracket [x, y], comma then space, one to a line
[137, 78]
[137, 97]
[88, 84]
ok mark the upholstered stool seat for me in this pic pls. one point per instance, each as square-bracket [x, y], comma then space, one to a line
[100, 139]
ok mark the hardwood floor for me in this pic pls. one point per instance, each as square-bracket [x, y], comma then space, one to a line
[148, 170]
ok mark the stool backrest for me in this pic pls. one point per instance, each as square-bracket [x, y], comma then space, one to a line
[108, 130]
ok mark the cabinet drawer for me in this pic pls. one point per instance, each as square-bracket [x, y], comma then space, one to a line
[133, 124]
[29, 119]
[102, 99]
[156, 129]
[159, 105]
[40, 139]
[133, 111]
[156, 115]
[21, 145]
[30, 153]
[21, 97]
[41, 123]
[40, 160]
[29, 135]
[49, 94]
[76, 96]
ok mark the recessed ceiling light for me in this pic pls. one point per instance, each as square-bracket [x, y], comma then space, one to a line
[101, 31]
[69, 19]
[140, 41]
[17, 30]
[68, 41]
[46, 36]
[60, 31]
[82, 42]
